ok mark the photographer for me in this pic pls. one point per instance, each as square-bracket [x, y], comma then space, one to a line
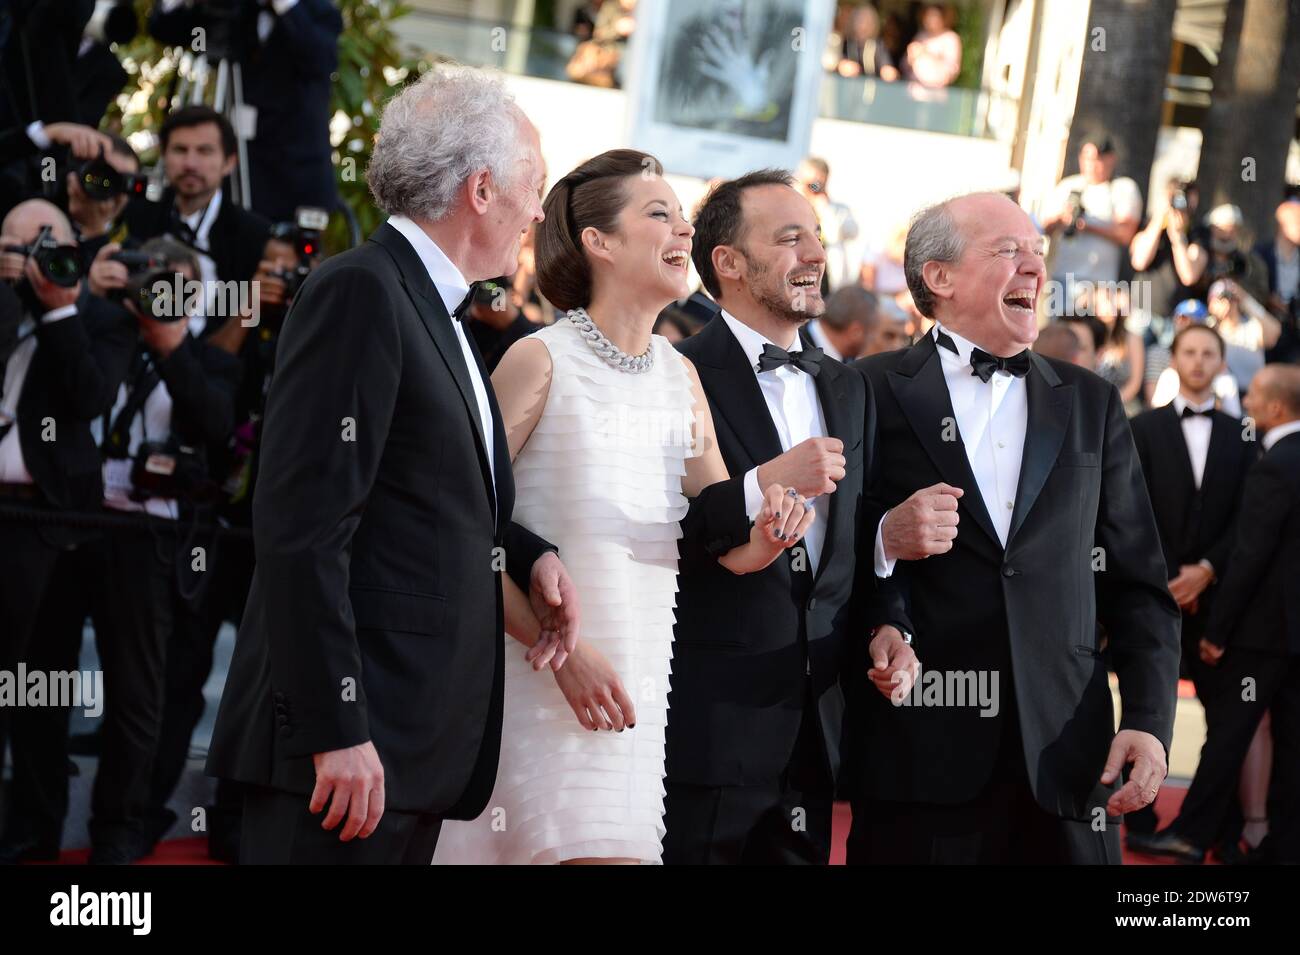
[176, 400]
[98, 191]
[287, 50]
[1246, 327]
[198, 152]
[1218, 250]
[1281, 258]
[1096, 220]
[71, 352]
[1160, 253]
[287, 259]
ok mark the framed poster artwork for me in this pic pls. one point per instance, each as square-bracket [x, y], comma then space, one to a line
[721, 87]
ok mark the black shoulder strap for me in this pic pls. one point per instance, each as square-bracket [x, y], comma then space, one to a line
[144, 379]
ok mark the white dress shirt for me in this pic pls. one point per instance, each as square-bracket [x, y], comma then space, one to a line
[452, 288]
[200, 223]
[1274, 435]
[791, 397]
[1196, 433]
[13, 469]
[991, 421]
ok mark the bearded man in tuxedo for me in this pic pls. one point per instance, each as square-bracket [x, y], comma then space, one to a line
[1056, 536]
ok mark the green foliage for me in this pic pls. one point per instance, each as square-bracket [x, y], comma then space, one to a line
[970, 27]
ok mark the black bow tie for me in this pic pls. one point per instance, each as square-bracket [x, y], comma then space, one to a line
[809, 360]
[983, 364]
[463, 308]
[1190, 412]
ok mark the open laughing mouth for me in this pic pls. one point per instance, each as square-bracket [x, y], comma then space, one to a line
[677, 258]
[809, 281]
[1020, 299]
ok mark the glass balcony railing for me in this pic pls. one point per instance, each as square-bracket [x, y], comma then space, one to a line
[543, 53]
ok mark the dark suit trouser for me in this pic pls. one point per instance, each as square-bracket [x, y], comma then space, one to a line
[27, 562]
[1230, 724]
[146, 613]
[1208, 682]
[279, 829]
[38, 794]
[784, 822]
[1003, 825]
[189, 664]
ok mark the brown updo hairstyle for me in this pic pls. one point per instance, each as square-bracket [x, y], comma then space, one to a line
[591, 196]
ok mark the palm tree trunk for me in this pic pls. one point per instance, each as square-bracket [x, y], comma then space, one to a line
[1252, 115]
[1122, 83]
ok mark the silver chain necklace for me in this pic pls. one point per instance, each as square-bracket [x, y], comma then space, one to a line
[606, 349]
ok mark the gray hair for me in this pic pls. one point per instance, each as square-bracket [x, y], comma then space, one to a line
[933, 236]
[449, 124]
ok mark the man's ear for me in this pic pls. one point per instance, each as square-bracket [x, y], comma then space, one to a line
[937, 279]
[229, 165]
[479, 191]
[726, 262]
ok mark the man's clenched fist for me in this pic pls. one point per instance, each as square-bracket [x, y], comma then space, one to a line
[923, 525]
[811, 467]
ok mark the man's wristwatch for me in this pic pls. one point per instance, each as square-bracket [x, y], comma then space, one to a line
[907, 637]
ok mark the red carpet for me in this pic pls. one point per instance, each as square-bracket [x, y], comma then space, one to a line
[194, 851]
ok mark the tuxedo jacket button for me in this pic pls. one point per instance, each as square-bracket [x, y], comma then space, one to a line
[812, 603]
[1008, 571]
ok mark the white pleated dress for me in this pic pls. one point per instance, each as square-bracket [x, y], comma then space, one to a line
[601, 478]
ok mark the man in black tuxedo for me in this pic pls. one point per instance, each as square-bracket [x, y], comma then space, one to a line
[755, 708]
[1253, 637]
[287, 51]
[1006, 750]
[1194, 460]
[198, 152]
[61, 372]
[367, 673]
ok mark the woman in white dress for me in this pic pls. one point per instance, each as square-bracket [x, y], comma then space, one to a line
[610, 434]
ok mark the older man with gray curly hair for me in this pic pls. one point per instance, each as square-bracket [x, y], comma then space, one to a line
[366, 682]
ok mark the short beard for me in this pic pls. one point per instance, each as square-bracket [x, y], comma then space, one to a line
[774, 302]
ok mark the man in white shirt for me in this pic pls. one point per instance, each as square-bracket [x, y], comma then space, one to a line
[754, 734]
[1253, 639]
[1041, 490]
[383, 506]
[1093, 218]
[1194, 460]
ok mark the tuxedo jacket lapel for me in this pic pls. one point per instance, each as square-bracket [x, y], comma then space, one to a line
[1050, 401]
[1224, 434]
[1171, 430]
[437, 322]
[833, 395]
[922, 393]
[736, 394]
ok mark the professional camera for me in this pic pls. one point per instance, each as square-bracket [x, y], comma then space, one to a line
[1076, 212]
[144, 271]
[169, 469]
[61, 264]
[304, 234]
[99, 180]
